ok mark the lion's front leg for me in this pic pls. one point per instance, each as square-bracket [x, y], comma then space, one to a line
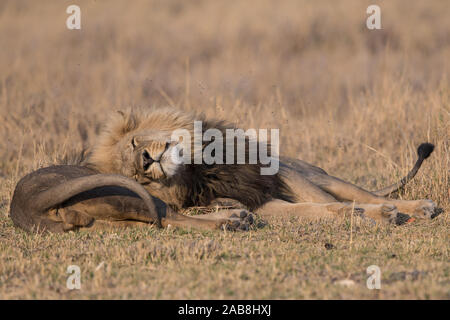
[230, 219]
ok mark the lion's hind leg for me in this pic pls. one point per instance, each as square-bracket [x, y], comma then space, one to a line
[314, 200]
[345, 191]
[385, 213]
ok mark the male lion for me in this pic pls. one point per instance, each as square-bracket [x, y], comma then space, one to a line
[138, 144]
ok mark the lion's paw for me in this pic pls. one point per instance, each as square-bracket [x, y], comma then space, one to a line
[426, 209]
[236, 219]
[437, 211]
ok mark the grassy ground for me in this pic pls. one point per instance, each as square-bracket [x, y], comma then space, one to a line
[287, 259]
[353, 101]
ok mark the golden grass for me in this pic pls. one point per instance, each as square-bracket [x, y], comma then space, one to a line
[353, 101]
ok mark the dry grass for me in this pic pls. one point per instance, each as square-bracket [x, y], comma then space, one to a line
[353, 101]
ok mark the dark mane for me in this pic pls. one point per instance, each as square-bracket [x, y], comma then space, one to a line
[242, 182]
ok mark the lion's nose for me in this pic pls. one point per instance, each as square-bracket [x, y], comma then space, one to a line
[146, 160]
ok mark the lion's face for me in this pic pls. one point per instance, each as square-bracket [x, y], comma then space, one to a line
[152, 155]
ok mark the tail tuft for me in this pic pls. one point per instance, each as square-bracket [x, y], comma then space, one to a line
[424, 150]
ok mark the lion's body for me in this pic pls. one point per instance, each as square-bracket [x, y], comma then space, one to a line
[103, 204]
[196, 184]
[138, 145]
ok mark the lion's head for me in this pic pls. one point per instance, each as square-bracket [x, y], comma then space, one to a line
[139, 144]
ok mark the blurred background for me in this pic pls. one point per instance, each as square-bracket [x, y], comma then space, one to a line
[354, 101]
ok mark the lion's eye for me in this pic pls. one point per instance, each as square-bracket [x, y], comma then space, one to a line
[133, 143]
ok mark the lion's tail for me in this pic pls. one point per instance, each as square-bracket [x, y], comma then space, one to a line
[423, 151]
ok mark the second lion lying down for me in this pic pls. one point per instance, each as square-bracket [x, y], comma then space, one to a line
[137, 144]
